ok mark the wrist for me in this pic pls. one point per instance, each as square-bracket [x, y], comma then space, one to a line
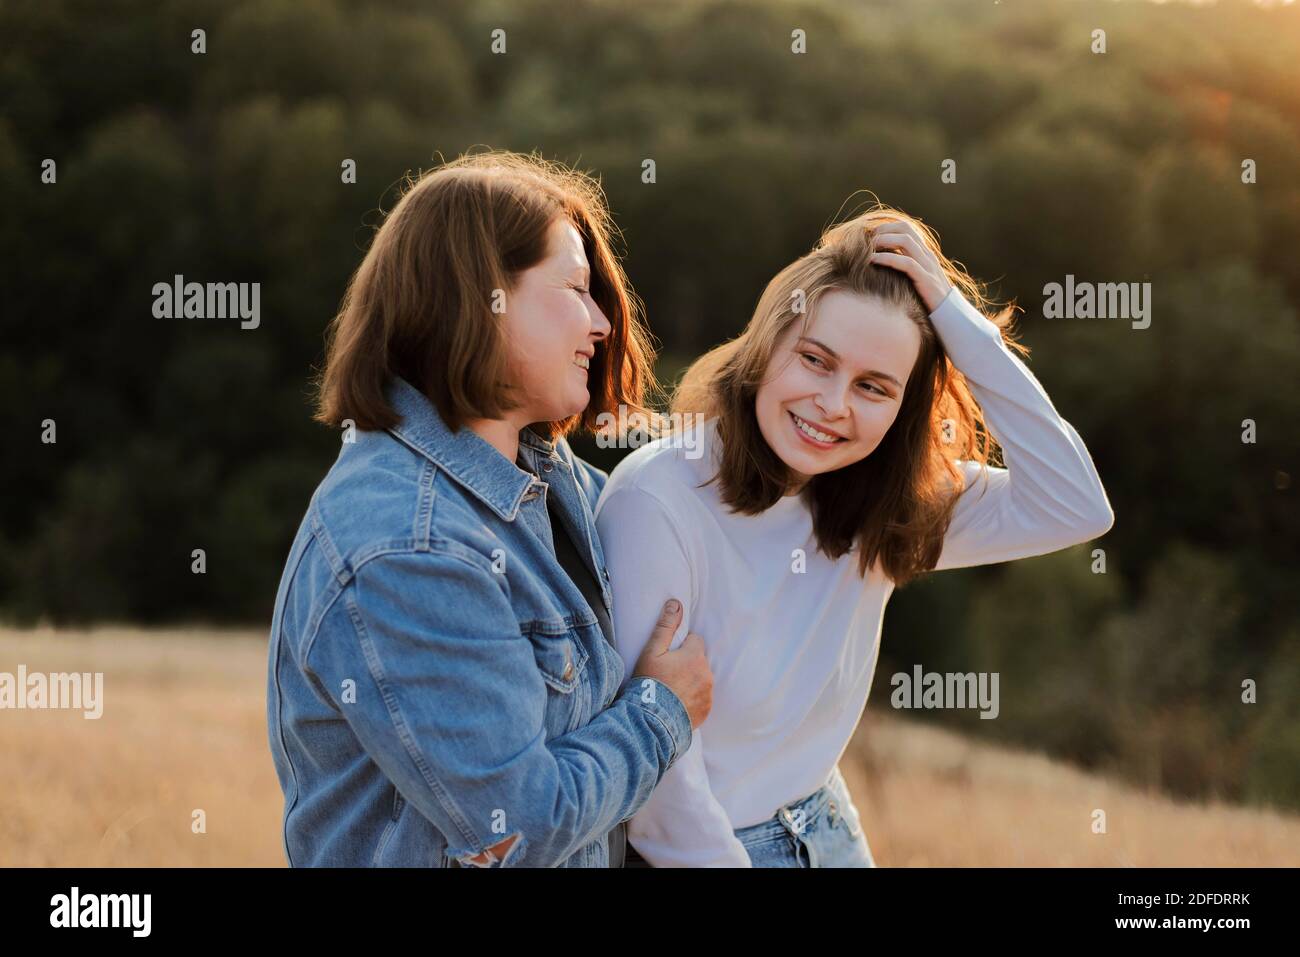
[936, 304]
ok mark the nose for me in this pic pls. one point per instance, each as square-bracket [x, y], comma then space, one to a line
[831, 402]
[600, 327]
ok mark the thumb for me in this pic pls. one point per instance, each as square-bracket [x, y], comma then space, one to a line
[662, 636]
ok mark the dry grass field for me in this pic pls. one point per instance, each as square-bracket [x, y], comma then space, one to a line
[184, 728]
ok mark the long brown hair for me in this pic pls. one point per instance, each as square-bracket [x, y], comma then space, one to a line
[895, 505]
[420, 304]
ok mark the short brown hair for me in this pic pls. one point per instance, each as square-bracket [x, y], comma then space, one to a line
[420, 304]
[895, 504]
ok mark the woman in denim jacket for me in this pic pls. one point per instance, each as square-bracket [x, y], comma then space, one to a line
[442, 688]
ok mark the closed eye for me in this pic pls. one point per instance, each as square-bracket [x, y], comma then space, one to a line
[816, 359]
[810, 357]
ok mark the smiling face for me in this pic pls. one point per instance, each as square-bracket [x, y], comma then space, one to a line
[552, 328]
[832, 390]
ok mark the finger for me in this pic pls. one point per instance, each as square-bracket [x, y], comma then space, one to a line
[669, 618]
[899, 261]
[890, 229]
[897, 227]
[692, 640]
[931, 288]
[904, 264]
[912, 245]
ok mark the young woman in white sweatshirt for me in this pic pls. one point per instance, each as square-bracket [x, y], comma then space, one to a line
[823, 472]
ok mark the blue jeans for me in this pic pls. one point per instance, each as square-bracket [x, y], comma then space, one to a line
[820, 830]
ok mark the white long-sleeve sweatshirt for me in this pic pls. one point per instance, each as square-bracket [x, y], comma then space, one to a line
[793, 653]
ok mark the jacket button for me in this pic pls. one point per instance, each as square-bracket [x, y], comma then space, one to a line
[546, 466]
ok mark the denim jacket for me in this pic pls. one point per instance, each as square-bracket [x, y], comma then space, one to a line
[436, 682]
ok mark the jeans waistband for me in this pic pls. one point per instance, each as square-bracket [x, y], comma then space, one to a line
[787, 816]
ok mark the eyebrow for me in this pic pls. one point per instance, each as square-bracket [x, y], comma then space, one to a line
[870, 373]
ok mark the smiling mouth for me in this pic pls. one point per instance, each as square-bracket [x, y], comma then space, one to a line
[582, 361]
[814, 436]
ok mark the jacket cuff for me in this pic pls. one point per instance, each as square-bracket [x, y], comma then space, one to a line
[666, 708]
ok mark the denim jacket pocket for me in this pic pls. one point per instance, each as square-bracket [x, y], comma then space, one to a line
[561, 657]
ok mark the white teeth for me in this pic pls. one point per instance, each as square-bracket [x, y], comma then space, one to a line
[582, 362]
[819, 436]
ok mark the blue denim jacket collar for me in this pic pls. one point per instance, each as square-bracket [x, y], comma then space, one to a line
[464, 455]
